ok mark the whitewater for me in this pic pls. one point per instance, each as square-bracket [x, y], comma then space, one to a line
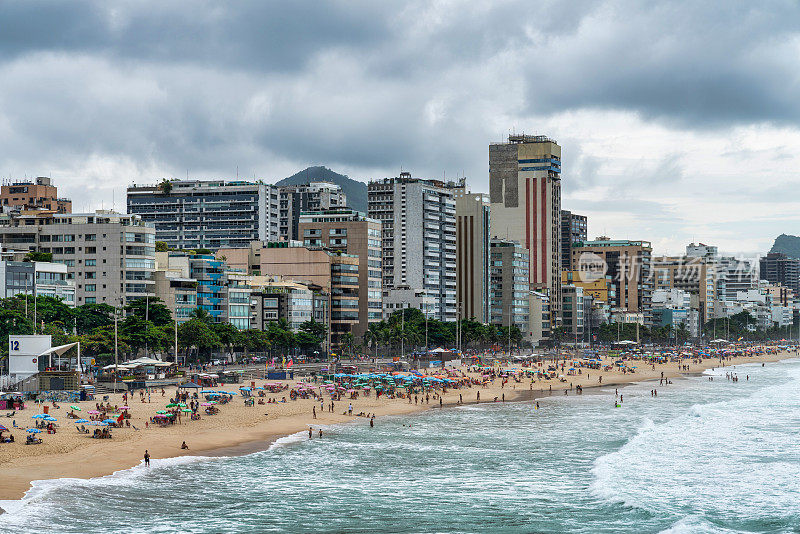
[703, 456]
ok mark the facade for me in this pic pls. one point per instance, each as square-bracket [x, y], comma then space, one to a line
[573, 230]
[296, 199]
[777, 268]
[110, 256]
[473, 235]
[600, 288]
[525, 193]
[352, 233]
[196, 214]
[572, 309]
[275, 299]
[696, 275]
[539, 324]
[42, 279]
[405, 297]
[735, 276]
[222, 292]
[177, 292]
[629, 265]
[419, 238]
[40, 194]
[337, 274]
[510, 293]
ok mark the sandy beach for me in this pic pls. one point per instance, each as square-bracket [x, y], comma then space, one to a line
[239, 429]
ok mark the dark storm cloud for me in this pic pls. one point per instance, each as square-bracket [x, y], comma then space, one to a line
[269, 35]
[703, 64]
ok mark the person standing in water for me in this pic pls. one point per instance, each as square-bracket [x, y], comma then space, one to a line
[146, 458]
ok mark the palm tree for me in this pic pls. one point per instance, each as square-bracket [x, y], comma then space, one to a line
[373, 336]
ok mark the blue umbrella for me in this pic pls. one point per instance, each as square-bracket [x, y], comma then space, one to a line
[39, 416]
[3, 429]
[109, 421]
[34, 431]
[50, 418]
[82, 421]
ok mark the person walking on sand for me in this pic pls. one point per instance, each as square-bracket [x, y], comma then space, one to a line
[350, 409]
[314, 412]
[146, 458]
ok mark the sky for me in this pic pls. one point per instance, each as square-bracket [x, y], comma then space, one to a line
[678, 120]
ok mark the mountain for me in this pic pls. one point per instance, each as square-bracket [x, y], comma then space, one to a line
[356, 191]
[787, 244]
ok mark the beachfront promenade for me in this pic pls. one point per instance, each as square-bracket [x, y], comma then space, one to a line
[243, 425]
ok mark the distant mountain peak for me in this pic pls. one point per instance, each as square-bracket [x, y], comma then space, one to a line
[356, 191]
[787, 244]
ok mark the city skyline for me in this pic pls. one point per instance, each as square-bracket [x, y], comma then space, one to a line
[665, 137]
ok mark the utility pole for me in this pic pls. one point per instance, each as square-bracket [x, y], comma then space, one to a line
[176, 339]
[402, 332]
[116, 351]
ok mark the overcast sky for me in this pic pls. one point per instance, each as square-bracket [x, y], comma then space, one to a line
[678, 121]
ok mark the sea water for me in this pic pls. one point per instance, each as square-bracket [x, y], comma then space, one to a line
[702, 456]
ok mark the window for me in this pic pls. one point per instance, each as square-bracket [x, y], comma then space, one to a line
[91, 237]
[91, 263]
[90, 288]
[91, 300]
[90, 275]
[91, 250]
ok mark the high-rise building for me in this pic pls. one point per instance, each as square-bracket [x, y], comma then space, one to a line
[629, 265]
[696, 275]
[573, 230]
[195, 214]
[313, 196]
[38, 195]
[572, 310]
[337, 273]
[525, 192]
[355, 234]
[111, 256]
[510, 293]
[419, 239]
[778, 268]
[472, 254]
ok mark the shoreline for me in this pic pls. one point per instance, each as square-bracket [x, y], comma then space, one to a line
[248, 437]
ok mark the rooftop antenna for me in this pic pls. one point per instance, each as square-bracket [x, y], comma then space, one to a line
[237, 172]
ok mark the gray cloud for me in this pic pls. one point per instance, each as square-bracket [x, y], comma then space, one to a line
[102, 94]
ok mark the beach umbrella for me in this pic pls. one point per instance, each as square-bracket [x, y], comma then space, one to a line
[109, 421]
[34, 431]
[182, 405]
[124, 408]
[49, 418]
[93, 412]
[205, 404]
[75, 408]
[39, 416]
[161, 412]
[82, 421]
[186, 410]
[3, 429]
[171, 405]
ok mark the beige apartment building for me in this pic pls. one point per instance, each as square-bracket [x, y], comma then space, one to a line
[336, 273]
[353, 233]
[629, 265]
[525, 194]
[473, 251]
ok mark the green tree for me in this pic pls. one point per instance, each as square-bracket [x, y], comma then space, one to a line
[162, 246]
[165, 186]
[153, 309]
[228, 336]
[92, 316]
[35, 255]
[197, 333]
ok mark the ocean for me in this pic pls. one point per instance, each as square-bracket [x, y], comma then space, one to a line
[703, 456]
